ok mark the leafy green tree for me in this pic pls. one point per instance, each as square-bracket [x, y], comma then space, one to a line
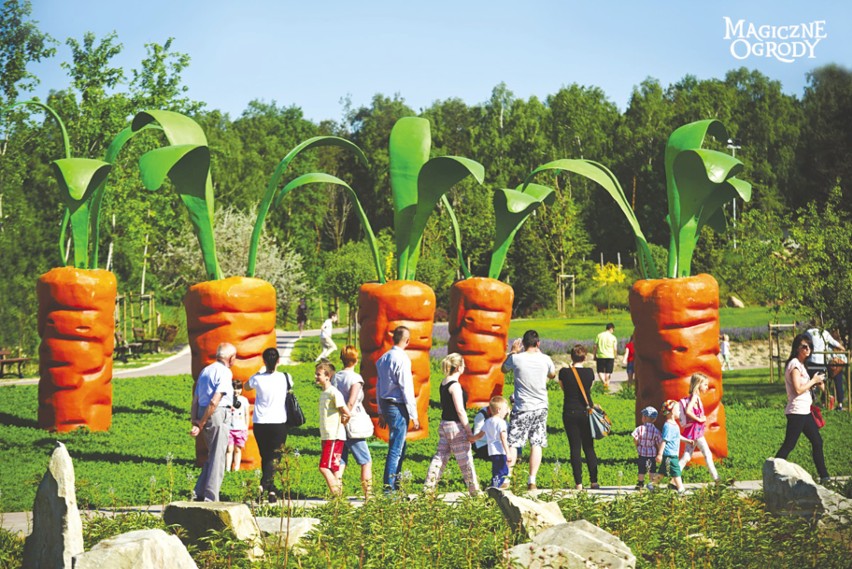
[821, 262]
[825, 149]
[157, 83]
[180, 266]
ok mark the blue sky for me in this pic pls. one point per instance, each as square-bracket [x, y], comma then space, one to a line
[313, 53]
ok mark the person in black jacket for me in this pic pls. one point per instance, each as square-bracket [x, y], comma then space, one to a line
[575, 417]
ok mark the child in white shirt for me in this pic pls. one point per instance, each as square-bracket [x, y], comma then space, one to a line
[238, 421]
[495, 432]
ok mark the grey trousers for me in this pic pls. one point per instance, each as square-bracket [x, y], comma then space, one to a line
[215, 433]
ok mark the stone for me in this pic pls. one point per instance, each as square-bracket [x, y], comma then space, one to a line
[529, 517]
[789, 490]
[571, 545]
[57, 534]
[141, 549]
[533, 555]
[292, 533]
[734, 302]
[199, 518]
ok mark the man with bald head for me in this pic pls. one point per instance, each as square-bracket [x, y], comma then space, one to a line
[211, 400]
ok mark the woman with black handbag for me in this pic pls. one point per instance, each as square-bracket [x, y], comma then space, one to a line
[270, 418]
[576, 382]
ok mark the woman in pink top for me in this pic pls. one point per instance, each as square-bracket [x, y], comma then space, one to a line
[799, 400]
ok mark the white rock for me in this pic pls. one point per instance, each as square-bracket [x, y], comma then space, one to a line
[290, 534]
[199, 518]
[57, 534]
[530, 517]
[789, 490]
[142, 549]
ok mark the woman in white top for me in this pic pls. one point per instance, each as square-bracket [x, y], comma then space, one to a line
[270, 416]
[799, 400]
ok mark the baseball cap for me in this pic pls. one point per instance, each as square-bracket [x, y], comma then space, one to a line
[649, 412]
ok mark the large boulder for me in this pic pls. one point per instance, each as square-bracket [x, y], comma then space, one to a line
[200, 518]
[142, 549]
[57, 534]
[289, 530]
[571, 545]
[529, 517]
[734, 302]
[789, 490]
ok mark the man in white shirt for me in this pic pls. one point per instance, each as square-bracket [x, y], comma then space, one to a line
[211, 400]
[327, 344]
[822, 340]
[395, 392]
[532, 369]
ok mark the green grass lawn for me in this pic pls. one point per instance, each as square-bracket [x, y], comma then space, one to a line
[587, 327]
[147, 457]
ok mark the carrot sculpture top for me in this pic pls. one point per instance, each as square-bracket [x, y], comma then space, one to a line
[699, 182]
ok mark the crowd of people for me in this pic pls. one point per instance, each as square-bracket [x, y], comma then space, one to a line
[498, 432]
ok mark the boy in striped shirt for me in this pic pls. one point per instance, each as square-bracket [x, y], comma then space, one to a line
[647, 438]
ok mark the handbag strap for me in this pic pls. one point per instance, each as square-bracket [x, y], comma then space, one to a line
[289, 379]
[580, 385]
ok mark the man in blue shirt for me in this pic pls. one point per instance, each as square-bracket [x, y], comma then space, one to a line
[395, 392]
[213, 396]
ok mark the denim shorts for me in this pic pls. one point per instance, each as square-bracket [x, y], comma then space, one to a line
[359, 450]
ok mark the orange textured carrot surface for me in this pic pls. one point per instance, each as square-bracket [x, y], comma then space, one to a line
[240, 311]
[381, 308]
[677, 334]
[480, 314]
[76, 323]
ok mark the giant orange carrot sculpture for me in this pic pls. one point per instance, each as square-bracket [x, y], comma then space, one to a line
[76, 304]
[417, 184]
[481, 308]
[677, 319]
[237, 310]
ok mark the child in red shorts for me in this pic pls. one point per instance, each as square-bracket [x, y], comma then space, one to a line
[333, 415]
[238, 422]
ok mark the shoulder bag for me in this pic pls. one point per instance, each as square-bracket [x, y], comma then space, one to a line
[360, 426]
[295, 417]
[598, 419]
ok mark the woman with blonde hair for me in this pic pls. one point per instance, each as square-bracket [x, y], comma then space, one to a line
[454, 432]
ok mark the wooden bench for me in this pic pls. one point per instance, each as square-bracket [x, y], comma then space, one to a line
[149, 345]
[6, 361]
[124, 350]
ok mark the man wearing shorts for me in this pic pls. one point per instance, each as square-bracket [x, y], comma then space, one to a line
[606, 347]
[532, 369]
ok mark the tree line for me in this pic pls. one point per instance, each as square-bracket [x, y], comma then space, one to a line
[796, 152]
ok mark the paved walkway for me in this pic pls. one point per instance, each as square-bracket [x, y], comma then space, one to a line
[180, 363]
[21, 522]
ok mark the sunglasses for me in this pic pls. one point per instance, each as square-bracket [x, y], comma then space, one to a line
[805, 346]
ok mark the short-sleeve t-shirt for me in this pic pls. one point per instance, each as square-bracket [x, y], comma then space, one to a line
[606, 344]
[797, 404]
[493, 427]
[531, 371]
[269, 397]
[671, 434]
[331, 427]
[344, 380]
[239, 417]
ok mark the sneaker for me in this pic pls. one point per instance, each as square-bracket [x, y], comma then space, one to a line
[672, 486]
[681, 492]
[650, 487]
[839, 407]
[273, 499]
[638, 486]
[595, 486]
[825, 480]
[532, 487]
